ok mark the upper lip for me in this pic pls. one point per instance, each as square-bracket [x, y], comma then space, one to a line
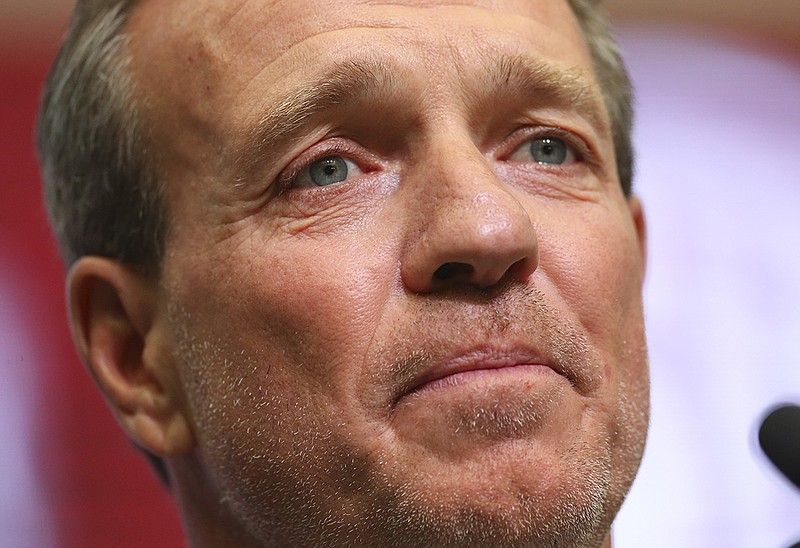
[479, 358]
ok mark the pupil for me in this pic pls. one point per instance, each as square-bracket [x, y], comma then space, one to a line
[328, 171]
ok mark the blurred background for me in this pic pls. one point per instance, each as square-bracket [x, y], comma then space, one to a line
[718, 135]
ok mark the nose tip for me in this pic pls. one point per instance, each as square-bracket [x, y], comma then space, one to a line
[477, 241]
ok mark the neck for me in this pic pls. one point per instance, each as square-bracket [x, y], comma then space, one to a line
[207, 520]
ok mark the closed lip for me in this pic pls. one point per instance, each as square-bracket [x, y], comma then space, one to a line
[479, 359]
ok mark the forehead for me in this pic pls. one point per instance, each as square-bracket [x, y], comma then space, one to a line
[238, 39]
[286, 22]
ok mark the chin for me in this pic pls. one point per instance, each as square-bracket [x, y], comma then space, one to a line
[524, 500]
[570, 522]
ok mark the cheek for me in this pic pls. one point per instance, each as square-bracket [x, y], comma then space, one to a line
[270, 350]
[595, 265]
[325, 298]
[262, 437]
[596, 268]
[304, 310]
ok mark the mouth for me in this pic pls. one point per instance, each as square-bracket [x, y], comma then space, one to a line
[481, 365]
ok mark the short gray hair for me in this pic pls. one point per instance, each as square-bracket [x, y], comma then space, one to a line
[103, 193]
[615, 84]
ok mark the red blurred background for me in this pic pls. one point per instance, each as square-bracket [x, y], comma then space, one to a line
[69, 478]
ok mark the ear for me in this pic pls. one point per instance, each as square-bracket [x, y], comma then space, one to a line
[121, 332]
[637, 214]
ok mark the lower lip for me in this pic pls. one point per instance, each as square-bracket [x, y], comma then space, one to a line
[516, 373]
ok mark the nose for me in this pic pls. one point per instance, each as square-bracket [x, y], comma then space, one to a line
[471, 228]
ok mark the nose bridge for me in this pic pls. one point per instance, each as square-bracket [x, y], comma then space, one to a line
[470, 227]
[472, 205]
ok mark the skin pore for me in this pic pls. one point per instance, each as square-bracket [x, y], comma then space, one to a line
[401, 298]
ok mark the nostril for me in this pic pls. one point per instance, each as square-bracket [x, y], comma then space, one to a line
[448, 271]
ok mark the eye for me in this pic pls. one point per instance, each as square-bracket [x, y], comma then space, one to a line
[325, 171]
[544, 150]
[547, 150]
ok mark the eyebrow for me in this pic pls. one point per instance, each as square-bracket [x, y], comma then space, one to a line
[349, 82]
[346, 83]
[544, 85]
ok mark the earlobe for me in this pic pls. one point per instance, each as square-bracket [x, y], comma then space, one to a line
[121, 334]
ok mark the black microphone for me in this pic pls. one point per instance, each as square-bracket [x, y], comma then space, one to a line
[779, 437]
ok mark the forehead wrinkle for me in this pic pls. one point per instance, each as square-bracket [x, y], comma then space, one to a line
[346, 83]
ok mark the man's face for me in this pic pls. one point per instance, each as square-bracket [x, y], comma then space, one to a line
[403, 285]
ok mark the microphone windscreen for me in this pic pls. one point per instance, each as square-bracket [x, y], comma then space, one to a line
[779, 437]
